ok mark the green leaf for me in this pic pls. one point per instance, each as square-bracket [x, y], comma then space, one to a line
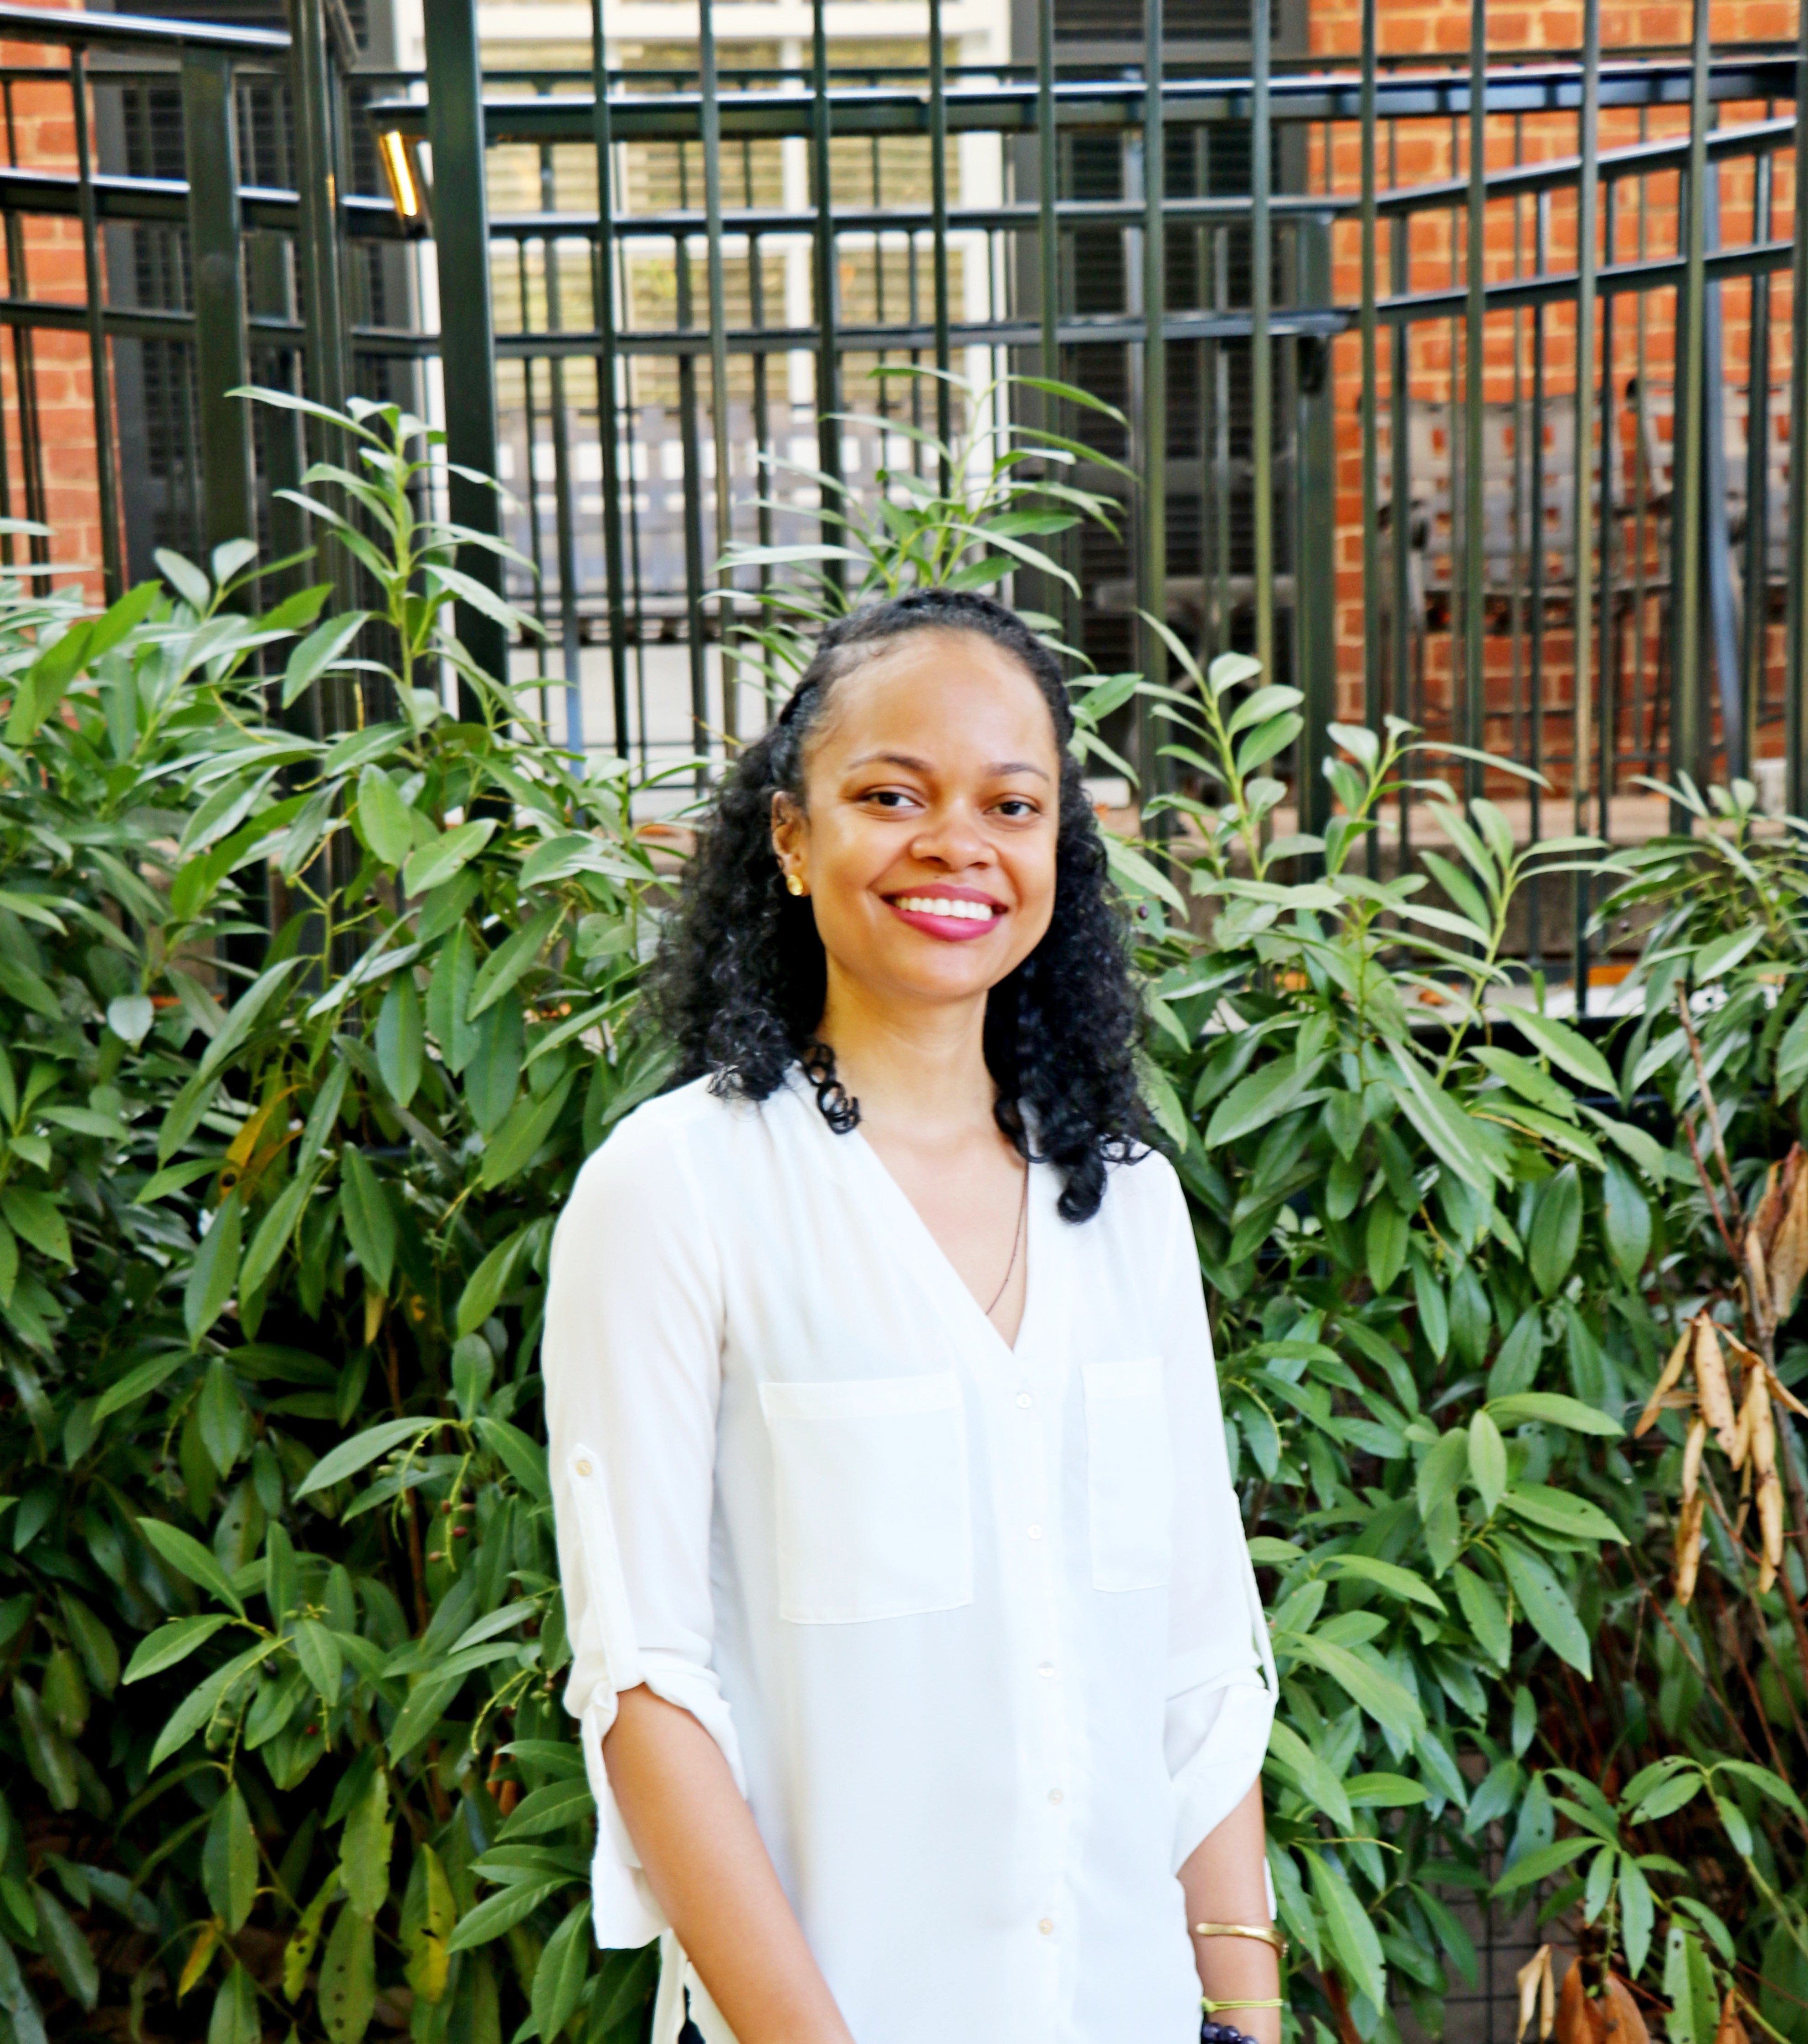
[524, 1459]
[1567, 1048]
[512, 958]
[317, 1651]
[199, 1705]
[528, 1126]
[34, 1217]
[347, 1991]
[1386, 1575]
[171, 1642]
[498, 1913]
[138, 1382]
[351, 1456]
[401, 1039]
[1392, 1706]
[1352, 1934]
[1562, 1512]
[214, 1273]
[558, 1979]
[448, 995]
[1287, 1751]
[433, 864]
[235, 2020]
[1385, 1244]
[386, 820]
[1484, 1613]
[228, 1861]
[273, 1233]
[1261, 1098]
[419, 1717]
[1629, 1220]
[549, 1809]
[1487, 1460]
[1386, 1792]
[70, 1951]
[298, 1954]
[1543, 1861]
[47, 1751]
[1556, 1230]
[365, 1849]
[1553, 1408]
[1546, 1603]
[370, 1219]
[484, 1287]
[322, 648]
[188, 1558]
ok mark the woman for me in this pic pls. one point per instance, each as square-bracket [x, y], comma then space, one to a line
[922, 1679]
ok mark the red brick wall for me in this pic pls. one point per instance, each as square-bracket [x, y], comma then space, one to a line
[1437, 32]
[43, 130]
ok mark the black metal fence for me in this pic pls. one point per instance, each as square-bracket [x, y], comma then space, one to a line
[1466, 393]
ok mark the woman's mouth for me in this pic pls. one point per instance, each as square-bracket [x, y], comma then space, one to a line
[954, 918]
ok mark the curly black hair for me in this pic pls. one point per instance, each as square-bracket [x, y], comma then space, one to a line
[741, 978]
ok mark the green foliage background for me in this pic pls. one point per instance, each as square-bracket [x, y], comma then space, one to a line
[279, 1603]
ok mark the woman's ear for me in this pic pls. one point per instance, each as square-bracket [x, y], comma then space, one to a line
[790, 833]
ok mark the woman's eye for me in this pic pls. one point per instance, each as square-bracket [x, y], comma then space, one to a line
[1017, 805]
[889, 798]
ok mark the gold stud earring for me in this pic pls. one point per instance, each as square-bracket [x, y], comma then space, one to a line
[792, 884]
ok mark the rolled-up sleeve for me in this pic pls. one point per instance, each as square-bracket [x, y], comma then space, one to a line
[1222, 1683]
[633, 1365]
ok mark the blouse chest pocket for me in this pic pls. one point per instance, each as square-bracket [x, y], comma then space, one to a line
[874, 1515]
[1129, 1475]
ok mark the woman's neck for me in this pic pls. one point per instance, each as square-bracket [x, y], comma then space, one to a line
[923, 1067]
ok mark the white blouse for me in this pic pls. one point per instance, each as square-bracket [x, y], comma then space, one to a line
[975, 1627]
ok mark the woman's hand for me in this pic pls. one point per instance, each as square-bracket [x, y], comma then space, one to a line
[1223, 1884]
[713, 1877]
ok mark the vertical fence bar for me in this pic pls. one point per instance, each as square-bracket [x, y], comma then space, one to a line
[1795, 627]
[565, 525]
[938, 234]
[1588, 201]
[216, 262]
[99, 364]
[1314, 566]
[718, 353]
[1534, 895]
[328, 375]
[1153, 524]
[1048, 248]
[1757, 469]
[455, 85]
[1686, 730]
[1606, 637]
[691, 455]
[1261, 360]
[1371, 424]
[607, 352]
[1475, 372]
[828, 372]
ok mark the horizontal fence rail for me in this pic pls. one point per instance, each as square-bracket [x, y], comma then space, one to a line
[1467, 393]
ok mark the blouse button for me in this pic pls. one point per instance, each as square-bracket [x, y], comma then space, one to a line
[1025, 1400]
[1035, 1532]
[1055, 1796]
[1046, 1671]
[583, 1469]
[1047, 1927]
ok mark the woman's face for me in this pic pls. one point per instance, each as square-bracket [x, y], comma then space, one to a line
[927, 842]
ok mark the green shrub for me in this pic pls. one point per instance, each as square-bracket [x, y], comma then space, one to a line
[301, 1041]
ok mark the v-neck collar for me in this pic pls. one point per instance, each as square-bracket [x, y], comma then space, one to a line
[852, 1159]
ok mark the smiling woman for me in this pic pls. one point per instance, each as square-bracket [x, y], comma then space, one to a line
[922, 1677]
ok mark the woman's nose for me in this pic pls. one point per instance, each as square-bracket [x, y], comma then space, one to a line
[952, 837]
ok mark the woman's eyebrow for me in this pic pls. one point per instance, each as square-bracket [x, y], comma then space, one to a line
[912, 764]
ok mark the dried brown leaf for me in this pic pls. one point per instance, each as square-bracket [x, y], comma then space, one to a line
[1692, 1449]
[1688, 1548]
[1534, 1979]
[1711, 1382]
[1731, 2029]
[1788, 1253]
[1781, 1395]
[1671, 1376]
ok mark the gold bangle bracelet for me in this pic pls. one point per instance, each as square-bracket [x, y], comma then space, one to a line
[1265, 1937]
[1212, 2007]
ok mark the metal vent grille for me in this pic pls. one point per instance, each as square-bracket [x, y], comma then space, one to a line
[1121, 21]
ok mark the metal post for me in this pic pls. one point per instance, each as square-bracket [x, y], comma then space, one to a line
[1371, 424]
[456, 125]
[1049, 241]
[1685, 499]
[1795, 630]
[311, 84]
[1757, 471]
[1261, 360]
[828, 368]
[1588, 220]
[100, 365]
[938, 233]
[222, 358]
[1153, 524]
[1475, 372]
[712, 112]
[607, 423]
[1314, 566]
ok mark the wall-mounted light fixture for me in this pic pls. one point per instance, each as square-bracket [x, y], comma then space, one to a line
[408, 188]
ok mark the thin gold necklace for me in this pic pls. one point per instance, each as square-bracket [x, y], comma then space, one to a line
[1016, 1237]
